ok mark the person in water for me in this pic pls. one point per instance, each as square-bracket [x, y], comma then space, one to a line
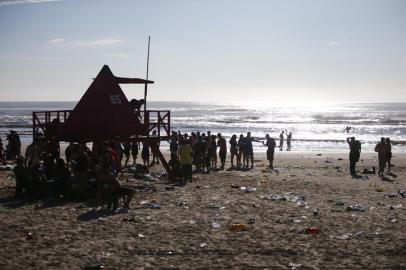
[288, 141]
[281, 137]
[355, 152]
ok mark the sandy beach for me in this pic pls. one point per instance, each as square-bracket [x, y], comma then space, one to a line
[191, 229]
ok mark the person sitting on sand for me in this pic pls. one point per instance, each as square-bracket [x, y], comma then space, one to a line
[175, 166]
[271, 144]
[233, 149]
[222, 144]
[80, 173]
[21, 177]
[281, 138]
[355, 152]
[62, 176]
[186, 158]
[109, 189]
[389, 155]
[382, 150]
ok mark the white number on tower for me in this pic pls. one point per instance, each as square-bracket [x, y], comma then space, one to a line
[115, 99]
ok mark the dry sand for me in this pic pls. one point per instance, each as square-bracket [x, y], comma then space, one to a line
[180, 234]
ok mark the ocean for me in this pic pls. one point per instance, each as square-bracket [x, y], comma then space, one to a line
[315, 127]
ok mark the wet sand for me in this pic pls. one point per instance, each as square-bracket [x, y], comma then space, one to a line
[180, 235]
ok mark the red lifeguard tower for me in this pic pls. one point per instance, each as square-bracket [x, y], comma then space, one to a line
[104, 113]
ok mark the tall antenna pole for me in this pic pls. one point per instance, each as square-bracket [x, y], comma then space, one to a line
[146, 83]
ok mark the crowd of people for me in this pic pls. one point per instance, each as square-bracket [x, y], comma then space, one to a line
[85, 173]
[43, 173]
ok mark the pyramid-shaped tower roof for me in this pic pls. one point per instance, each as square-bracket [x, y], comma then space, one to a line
[103, 112]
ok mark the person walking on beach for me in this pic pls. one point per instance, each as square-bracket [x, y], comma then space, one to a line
[288, 140]
[222, 144]
[389, 155]
[135, 146]
[145, 154]
[382, 150]
[281, 140]
[271, 144]
[233, 149]
[355, 152]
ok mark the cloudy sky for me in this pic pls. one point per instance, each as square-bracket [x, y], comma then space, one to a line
[301, 51]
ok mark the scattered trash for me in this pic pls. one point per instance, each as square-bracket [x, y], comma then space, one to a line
[248, 189]
[235, 186]
[393, 207]
[238, 227]
[402, 193]
[202, 245]
[128, 219]
[356, 208]
[212, 205]
[344, 236]
[215, 225]
[155, 206]
[29, 236]
[141, 235]
[192, 222]
[6, 168]
[312, 230]
[315, 212]
[294, 266]
[183, 203]
[95, 267]
[251, 221]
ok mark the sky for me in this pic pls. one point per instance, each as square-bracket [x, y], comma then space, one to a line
[213, 50]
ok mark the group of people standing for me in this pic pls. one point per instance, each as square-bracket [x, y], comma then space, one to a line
[383, 148]
[204, 149]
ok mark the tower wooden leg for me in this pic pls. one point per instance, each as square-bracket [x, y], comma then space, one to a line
[155, 149]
